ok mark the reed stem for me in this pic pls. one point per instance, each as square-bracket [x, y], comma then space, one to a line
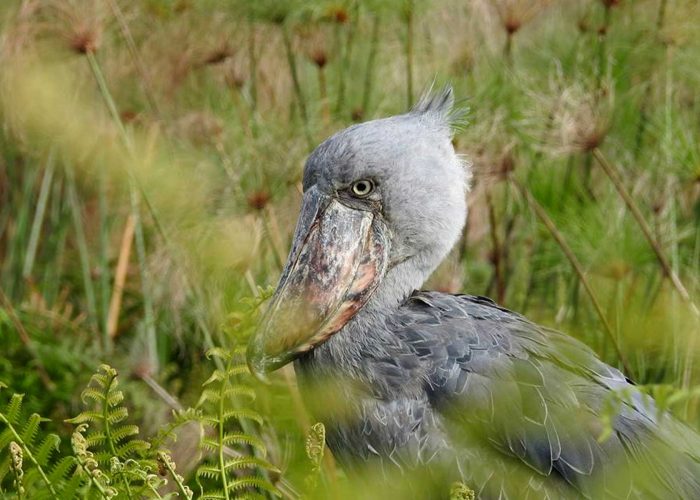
[542, 215]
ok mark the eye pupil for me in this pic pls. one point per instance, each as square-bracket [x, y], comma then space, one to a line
[362, 188]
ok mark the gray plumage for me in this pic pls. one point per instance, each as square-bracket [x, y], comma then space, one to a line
[514, 409]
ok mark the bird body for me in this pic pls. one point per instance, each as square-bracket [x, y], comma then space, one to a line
[458, 381]
[438, 381]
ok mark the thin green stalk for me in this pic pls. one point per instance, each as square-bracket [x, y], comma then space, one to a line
[644, 111]
[508, 49]
[222, 461]
[18, 231]
[347, 54]
[183, 491]
[646, 230]
[293, 70]
[409, 18]
[83, 252]
[134, 53]
[28, 453]
[38, 217]
[369, 71]
[107, 97]
[135, 209]
[541, 214]
[105, 272]
[602, 42]
[338, 48]
[253, 67]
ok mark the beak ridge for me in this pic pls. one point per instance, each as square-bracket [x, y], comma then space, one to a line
[338, 258]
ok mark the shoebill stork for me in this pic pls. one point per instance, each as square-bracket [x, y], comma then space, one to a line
[511, 408]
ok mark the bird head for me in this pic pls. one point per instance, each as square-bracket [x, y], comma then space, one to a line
[383, 203]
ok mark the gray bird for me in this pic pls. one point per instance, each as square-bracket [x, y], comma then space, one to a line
[433, 380]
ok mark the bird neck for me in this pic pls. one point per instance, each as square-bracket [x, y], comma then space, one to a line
[399, 282]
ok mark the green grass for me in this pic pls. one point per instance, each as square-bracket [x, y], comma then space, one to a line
[194, 118]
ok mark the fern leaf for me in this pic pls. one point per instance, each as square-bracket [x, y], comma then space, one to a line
[247, 462]
[5, 438]
[208, 471]
[48, 446]
[31, 429]
[220, 353]
[216, 376]
[62, 470]
[117, 415]
[212, 495]
[114, 397]
[132, 448]
[254, 482]
[240, 390]
[246, 439]
[85, 417]
[123, 432]
[242, 413]
[90, 393]
[236, 370]
[208, 395]
[95, 438]
[13, 408]
[210, 444]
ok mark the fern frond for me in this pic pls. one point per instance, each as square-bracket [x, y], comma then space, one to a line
[236, 370]
[246, 439]
[230, 425]
[208, 472]
[220, 353]
[123, 432]
[246, 462]
[62, 472]
[85, 417]
[114, 398]
[47, 448]
[213, 495]
[254, 482]
[216, 376]
[31, 429]
[90, 393]
[208, 395]
[14, 408]
[240, 390]
[116, 415]
[111, 443]
[132, 448]
[19, 446]
[243, 413]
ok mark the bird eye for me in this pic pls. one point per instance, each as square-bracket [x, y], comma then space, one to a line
[362, 188]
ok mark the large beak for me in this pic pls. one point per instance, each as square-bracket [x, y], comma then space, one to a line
[338, 258]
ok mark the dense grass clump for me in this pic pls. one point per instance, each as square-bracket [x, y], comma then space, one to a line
[150, 161]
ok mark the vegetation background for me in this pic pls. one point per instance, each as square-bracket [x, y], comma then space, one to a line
[150, 161]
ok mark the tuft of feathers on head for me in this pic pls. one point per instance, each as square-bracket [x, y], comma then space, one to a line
[440, 108]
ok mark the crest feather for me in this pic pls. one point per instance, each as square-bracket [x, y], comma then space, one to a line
[440, 107]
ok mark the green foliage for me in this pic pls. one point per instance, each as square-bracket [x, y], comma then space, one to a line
[37, 470]
[209, 109]
[104, 443]
[108, 461]
[237, 466]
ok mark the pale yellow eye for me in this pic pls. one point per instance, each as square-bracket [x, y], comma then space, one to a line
[362, 188]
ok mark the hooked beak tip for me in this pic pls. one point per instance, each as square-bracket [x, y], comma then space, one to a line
[258, 372]
[256, 364]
